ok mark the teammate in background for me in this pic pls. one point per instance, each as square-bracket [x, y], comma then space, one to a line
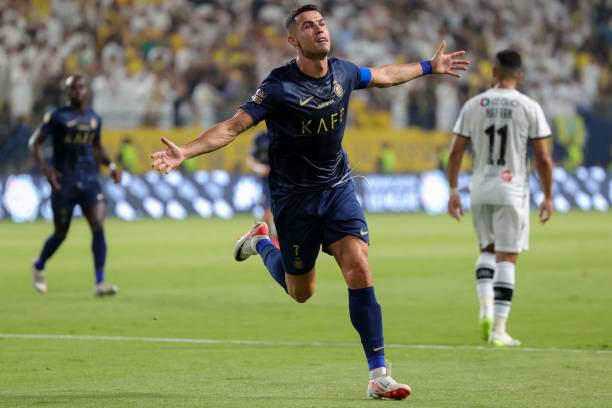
[75, 134]
[257, 160]
[500, 123]
[304, 104]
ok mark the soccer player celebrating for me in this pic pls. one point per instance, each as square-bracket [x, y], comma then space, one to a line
[75, 136]
[305, 106]
[500, 123]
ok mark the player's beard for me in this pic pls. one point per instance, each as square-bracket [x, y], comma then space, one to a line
[315, 54]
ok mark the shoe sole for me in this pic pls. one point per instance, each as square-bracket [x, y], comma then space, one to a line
[499, 343]
[398, 394]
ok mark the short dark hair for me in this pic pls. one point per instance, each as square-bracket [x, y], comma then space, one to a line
[290, 21]
[509, 60]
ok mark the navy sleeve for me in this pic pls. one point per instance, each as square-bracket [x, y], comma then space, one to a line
[49, 123]
[265, 100]
[359, 76]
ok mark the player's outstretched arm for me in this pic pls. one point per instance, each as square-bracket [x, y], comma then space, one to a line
[458, 147]
[212, 139]
[441, 63]
[544, 167]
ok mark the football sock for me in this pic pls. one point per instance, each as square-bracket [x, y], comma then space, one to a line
[98, 246]
[366, 317]
[51, 245]
[485, 270]
[273, 260]
[503, 286]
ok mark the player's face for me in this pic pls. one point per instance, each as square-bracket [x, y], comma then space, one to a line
[77, 90]
[311, 35]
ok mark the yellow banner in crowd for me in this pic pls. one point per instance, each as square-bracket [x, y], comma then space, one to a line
[414, 149]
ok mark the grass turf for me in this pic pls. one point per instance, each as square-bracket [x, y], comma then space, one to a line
[178, 280]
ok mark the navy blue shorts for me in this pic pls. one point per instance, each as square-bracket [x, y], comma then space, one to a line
[305, 222]
[86, 193]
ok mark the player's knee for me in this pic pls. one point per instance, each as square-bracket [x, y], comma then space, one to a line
[60, 234]
[301, 295]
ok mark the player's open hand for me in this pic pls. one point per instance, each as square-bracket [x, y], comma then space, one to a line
[448, 64]
[168, 159]
[546, 210]
[454, 207]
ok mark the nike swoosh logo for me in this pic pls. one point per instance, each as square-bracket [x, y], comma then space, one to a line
[305, 101]
[364, 233]
[375, 349]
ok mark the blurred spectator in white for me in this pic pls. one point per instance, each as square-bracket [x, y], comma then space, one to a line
[22, 91]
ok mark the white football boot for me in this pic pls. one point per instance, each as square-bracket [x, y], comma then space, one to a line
[105, 289]
[382, 385]
[503, 340]
[246, 245]
[38, 280]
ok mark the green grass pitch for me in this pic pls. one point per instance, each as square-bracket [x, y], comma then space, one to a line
[178, 281]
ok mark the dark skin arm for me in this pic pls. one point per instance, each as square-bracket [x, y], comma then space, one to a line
[36, 147]
[103, 157]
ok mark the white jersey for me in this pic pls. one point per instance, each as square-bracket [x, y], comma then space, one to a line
[500, 122]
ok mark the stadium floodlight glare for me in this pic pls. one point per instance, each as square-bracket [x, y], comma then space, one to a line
[561, 204]
[153, 207]
[203, 207]
[125, 211]
[175, 210]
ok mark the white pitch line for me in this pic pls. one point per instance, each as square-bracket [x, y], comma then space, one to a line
[287, 343]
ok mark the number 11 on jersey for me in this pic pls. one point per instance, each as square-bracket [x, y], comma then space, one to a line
[503, 133]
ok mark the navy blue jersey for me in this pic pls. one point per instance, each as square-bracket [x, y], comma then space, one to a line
[306, 118]
[261, 144]
[73, 134]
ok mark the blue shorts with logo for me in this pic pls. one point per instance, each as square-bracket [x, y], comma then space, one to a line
[86, 192]
[306, 222]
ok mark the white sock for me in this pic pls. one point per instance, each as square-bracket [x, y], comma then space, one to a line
[378, 372]
[485, 271]
[503, 285]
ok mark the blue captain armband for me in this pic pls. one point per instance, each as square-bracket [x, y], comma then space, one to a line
[426, 67]
[366, 77]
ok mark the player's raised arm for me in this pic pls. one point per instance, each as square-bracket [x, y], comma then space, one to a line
[458, 148]
[441, 63]
[212, 139]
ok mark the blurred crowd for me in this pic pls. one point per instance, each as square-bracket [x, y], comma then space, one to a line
[180, 63]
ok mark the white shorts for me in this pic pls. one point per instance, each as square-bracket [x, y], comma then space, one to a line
[505, 226]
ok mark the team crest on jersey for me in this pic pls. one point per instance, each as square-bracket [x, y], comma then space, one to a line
[506, 175]
[259, 96]
[338, 90]
[298, 263]
[93, 123]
